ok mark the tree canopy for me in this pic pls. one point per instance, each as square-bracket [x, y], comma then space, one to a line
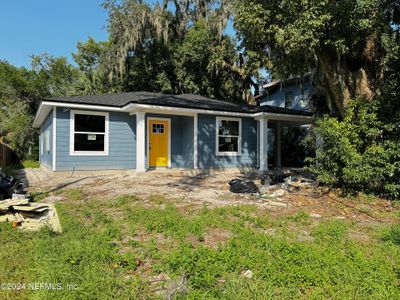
[171, 47]
[342, 43]
[21, 91]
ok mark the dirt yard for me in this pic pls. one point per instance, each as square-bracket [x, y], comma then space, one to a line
[196, 189]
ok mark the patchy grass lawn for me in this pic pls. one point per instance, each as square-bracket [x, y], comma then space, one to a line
[128, 247]
[25, 164]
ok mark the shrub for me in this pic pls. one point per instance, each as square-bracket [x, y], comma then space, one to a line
[358, 153]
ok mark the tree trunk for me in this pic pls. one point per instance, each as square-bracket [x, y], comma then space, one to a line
[339, 82]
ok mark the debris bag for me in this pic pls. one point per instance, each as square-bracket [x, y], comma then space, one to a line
[265, 180]
[279, 178]
[242, 186]
[10, 186]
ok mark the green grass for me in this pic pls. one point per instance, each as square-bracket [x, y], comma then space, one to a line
[111, 248]
[11, 169]
[32, 164]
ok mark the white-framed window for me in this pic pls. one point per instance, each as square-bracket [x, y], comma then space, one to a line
[89, 133]
[228, 136]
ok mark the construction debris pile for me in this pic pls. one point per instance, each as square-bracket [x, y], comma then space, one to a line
[279, 185]
[29, 215]
[273, 184]
[16, 208]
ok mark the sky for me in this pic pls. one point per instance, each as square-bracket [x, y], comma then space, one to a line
[54, 26]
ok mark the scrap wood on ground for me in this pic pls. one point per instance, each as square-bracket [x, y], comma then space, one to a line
[29, 216]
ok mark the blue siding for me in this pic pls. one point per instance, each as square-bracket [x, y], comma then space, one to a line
[278, 97]
[46, 142]
[122, 144]
[181, 140]
[206, 142]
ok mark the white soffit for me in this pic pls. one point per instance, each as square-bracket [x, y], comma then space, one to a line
[46, 106]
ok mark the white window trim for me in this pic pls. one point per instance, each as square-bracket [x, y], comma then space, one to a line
[72, 152]
[231, 153]
[148, 140]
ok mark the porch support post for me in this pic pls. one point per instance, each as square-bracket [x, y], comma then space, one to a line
[263, 151]
[278, 161]
[195, 142]
[140, 141]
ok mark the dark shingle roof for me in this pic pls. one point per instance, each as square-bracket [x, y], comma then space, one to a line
[281, 110]
[182, 101]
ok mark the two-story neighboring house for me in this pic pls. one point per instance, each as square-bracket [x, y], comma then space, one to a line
[284, 138]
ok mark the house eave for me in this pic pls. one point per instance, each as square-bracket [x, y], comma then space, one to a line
[45, 108]
[132, 108]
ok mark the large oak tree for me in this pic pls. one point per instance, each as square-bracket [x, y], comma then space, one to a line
[341, 42]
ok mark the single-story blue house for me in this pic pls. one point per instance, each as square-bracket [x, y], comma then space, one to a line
[143, 130]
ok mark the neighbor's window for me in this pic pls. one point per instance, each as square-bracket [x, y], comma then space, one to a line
[305, 92]
[89, 133]
[288, 99]
[305, 97]
[228, 136]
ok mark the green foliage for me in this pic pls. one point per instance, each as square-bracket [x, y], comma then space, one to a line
[301, 217]
[90, 57]
[75, 194]
[89, 54]
[16, 125]
[285, 269]
[170, 222]
[55, 75]
[357, 153]
[337, 41]
[31, 164]
[333, 231]
[393, 234]
[175, 48]
[21, 91]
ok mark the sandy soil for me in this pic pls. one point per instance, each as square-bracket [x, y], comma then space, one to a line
[191, 188]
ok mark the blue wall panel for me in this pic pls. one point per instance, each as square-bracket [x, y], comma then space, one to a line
[207, 145]
[46, 142]
[122, 144]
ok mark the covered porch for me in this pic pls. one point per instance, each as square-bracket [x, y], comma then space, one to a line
[279, 140]
[185, 139]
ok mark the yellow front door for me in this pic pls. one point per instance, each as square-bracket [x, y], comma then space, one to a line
[158, 143]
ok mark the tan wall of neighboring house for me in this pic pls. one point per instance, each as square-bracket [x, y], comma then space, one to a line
[6, 155]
